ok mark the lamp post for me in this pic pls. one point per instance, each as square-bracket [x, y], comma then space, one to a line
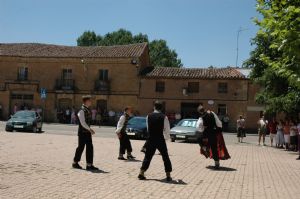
[237, 44]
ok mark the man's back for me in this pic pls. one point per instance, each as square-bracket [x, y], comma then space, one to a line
[156, 125]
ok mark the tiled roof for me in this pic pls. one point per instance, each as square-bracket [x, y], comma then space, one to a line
[49, 50]
[195, 73]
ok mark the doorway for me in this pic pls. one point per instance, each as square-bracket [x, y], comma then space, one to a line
[189, 110]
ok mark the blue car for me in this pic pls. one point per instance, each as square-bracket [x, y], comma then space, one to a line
[137, 128]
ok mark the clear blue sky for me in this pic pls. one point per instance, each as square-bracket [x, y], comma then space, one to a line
[203, 32]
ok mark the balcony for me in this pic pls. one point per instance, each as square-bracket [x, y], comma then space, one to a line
[65, 84]
[102, 86]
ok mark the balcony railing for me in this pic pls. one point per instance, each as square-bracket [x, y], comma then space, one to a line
[102, 86]
[65, 84]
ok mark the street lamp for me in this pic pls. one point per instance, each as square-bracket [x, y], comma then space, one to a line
[237, 44]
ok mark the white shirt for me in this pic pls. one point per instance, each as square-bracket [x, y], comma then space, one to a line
[81, 117]
[200, 126]
[120, 124]
[166, 126]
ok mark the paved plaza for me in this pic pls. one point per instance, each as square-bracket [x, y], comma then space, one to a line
[39, 166]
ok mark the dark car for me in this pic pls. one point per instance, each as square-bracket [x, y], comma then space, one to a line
[137, 128]
[24, 121]
[185, 130]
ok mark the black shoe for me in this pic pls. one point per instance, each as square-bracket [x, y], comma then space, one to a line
[168, 179]
[76, 166]
[92, 168]
[130, 157]
[141, 177]
[121, 158]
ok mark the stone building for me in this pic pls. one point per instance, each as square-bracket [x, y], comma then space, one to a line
[117, 76]
[223, 90]
[110, 74]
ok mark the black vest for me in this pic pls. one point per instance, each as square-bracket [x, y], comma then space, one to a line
[88, 120]
[156, 126]
[209, 122]
[123, 130]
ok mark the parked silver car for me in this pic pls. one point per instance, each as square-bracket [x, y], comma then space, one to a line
[185, 130]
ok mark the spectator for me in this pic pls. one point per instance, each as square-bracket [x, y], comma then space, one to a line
[94, 112]
[1, 111]
[286, 131]
[111, 115]
[262, 130]
[298, 128]
[293, 135]
[73, 116]
[15, 108]
[98, 118]
[272, 129]
[240, 123]
[225, 123]
[279, 135]
[68, 116]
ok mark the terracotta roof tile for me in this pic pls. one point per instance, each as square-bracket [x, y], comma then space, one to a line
[50, 50]
[195, 73]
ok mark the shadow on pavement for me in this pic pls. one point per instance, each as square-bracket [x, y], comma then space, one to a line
[132, 160]
[99, 171]
[178, 182]
[221, 168]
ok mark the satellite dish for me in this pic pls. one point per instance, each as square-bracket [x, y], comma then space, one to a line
[210, 102]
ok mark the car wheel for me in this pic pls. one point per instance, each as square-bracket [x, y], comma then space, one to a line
[172, 139]
[8, 130]
[40, 130]
[34, 129]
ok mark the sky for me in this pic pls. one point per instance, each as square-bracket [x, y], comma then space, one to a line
[203, 32]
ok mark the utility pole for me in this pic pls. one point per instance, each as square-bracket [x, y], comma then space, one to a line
[237, 45]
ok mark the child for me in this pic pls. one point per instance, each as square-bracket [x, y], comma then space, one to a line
[286, 132]
[298, 127]
[279, 136]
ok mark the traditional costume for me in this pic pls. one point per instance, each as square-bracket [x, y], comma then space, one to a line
[159, 128]
[125, 144]
[211, 141]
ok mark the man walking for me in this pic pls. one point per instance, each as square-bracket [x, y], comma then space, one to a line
[125, 144]
[159, 129]
[85, 135]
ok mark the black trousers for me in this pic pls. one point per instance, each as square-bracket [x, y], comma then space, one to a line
[212, 142]
[85, 140]
[151, 147]
[125, 144]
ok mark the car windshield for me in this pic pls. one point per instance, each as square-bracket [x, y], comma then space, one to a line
[137, 121]
[23, 114]
[187, 123]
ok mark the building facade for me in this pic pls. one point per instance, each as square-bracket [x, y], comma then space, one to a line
[117, 76]
[110, 74]
[226, 91]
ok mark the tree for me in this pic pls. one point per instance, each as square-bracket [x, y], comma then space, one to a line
[275, 61]
[160, 53]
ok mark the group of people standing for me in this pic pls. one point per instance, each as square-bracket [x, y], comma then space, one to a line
[284, 133]
[211, 140]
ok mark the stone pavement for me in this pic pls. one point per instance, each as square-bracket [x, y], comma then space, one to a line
[39, 166]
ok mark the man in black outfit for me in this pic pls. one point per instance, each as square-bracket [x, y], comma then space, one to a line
[125, 144]
[210, 133]
[85, 136]
[158, 128]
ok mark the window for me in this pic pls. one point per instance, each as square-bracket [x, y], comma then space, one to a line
[193, 87]
[222, 87]
[67, 74]
[103, 75]
[160, 86]
[22, 96]
[23, 73]
[222, 109]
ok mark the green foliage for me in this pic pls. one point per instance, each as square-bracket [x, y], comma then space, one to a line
[275, 61]
[160, 54]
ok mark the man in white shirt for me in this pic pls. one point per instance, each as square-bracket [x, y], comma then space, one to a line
[159, 129]
[125, 144]
[85, 136]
